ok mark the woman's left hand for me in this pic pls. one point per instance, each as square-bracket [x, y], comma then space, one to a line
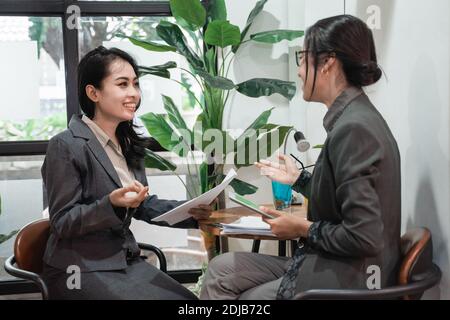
[287, 226]
[203, 211]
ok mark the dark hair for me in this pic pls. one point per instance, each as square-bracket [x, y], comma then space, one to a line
[92, 69]
[351, 41]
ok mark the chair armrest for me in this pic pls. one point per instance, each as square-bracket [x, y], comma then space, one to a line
[10, 267]
[431, 279]
[159, 254]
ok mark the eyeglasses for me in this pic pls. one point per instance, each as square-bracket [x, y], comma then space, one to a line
[299, 55]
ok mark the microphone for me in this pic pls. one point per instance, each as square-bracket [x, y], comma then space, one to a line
[303, 145]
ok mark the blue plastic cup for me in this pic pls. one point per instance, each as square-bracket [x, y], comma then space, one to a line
[282, 195]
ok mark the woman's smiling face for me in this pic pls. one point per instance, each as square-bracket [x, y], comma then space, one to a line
[119, 95]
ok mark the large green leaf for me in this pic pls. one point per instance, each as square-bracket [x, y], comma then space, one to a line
[222, 33]
[275, 36]
[214, 105]
[177, 120]
[173, 113]
[159, 129]
[189, 14]
[261, 120]
[210, 60]
[240, 187]
[258, 124]
[269, 139]
[216, 81]
[259, 87]
[203, 138]
[272, 139]
[157, 73]
[216, 10]
[191, 94]
[203, 172]
[256, 11]
[201, 124]
[5, 237]
[153, 160]
[148, 45]
[160, 70]
[173, 35]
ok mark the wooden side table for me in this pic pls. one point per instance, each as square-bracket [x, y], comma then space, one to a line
[212, 226]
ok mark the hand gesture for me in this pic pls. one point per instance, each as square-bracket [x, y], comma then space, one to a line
[286, 226]
[130, 196]
[286, 173]
[203, 211]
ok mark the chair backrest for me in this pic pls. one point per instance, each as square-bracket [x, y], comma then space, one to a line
[30, 245]
[417, 252]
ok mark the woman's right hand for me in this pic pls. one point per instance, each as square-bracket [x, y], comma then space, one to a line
[286, 173]
[130, 196]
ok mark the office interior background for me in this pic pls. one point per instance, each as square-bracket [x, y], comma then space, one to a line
[412, 39]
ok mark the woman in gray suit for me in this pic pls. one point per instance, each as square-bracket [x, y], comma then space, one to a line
[93, 173]
[352, 234]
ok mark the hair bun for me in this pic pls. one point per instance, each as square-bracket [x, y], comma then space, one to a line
[370, 73]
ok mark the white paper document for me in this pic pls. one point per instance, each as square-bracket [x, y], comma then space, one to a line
[180, 213]
[248, 225]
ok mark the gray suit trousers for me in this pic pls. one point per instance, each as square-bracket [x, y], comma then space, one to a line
[139, 281]
[244, 276]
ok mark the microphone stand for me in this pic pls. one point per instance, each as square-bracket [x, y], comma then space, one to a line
[285, 149]
[301, 163]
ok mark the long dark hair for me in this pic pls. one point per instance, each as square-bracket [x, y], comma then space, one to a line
[350, 40]
[92, 69]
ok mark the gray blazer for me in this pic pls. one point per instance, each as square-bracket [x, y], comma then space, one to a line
[354, 200]
[86, 230]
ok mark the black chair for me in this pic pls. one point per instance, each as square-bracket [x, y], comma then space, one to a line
[29, 248]
[417, 274]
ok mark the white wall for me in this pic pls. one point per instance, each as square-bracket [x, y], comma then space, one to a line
[413, 49]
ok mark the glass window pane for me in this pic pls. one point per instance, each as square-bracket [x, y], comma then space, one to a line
[32, 85]
[21, 198]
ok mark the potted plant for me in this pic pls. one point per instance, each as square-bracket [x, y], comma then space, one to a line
[222, 39]
[209, 43]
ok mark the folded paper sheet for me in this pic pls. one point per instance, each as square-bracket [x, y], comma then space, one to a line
[248, 225]
[181, 213]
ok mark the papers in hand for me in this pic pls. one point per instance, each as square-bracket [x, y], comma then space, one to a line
[180, 213]
[248, 225]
